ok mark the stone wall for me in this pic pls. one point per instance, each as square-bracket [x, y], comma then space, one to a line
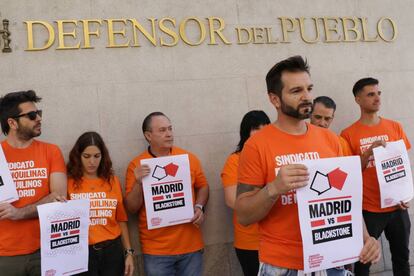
[204, 89]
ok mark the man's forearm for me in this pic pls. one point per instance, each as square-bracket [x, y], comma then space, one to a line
[252, 204]
[202, 195]
[30, 211]
[134, 200]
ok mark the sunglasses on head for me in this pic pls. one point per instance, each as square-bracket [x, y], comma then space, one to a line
[32, 115]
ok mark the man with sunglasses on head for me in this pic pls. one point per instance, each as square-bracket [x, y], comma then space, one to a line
[39, 173]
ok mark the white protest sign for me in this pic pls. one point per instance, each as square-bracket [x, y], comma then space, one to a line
[64, 235]
[8, 192]
[167, 191]
[330, 213]
[393, 173]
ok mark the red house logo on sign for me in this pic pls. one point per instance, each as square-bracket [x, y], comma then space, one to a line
[160, 173]
[322, 183]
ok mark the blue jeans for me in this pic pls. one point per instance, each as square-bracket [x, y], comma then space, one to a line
[190, 264]
[269, 270]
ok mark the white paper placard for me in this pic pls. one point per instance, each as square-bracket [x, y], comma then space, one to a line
[8, 192]
[330, 213]
[393, 173]
[64, 234]
[167, 191]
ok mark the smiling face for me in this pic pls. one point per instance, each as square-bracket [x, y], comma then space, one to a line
[91, 159]
[369, 98]
[296, 96]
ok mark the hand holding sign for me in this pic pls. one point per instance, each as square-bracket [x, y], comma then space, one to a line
[404, 205]
[8, 211]
[330, 214]
[141, 172]
[394, 174]
[290, 177]
[168, 191]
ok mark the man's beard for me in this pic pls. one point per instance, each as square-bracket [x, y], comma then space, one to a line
[295, 113]
[26, 133]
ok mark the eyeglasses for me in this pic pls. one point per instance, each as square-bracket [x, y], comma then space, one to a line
[32, 115]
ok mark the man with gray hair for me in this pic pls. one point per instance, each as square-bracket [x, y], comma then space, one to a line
[173, 250]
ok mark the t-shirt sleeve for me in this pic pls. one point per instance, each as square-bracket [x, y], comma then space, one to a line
[57, 163]
[130, 177]
[251, 171]
[347, 137]
[346, 149]
[403, 136]
[229, 172]
[121, 214]
[200, 179]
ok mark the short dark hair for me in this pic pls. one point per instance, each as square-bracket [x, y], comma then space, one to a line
[147, 121]
[251, 120]
[359, 85]
[9, 106]
[326, 101]
[74, 166]
[274, 76]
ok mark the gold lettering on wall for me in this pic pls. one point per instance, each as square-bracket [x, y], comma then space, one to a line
[365, 33]
[380, 28]
[201, 29]
[62, 34]
[151, 37]
[244, 35]
[288, 25]
[218, 31]
[350, 25]
[303, 32]
[331, 28]
[87, 32]
[30, 40]
[111, 33]
[170, 32]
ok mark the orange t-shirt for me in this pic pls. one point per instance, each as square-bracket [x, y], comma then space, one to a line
[263, 154]
[360, 137]
[245, 237]
[346, 149]
[106, 206]
[30, 169]
[175, 239]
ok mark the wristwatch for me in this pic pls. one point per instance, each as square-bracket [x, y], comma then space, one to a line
[129, 251]
[199, 206]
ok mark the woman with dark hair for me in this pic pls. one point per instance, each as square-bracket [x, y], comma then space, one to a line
[246, 239]
[90, 175]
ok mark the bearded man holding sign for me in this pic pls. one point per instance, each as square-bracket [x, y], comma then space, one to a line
[268, 175]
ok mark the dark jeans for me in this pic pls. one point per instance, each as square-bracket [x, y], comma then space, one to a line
[396, 226]
[21, 265]
[106, 259]
[249, 261]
